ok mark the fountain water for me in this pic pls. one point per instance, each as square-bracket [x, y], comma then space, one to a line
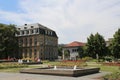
[55, 67]
[75, 67]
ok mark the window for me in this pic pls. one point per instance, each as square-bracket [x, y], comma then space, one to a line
[25, 54]
[30, 53]
[18, 33]
[30, 41]
[27, 32]
[25, 27]
[20, 42]
[51, 33]
[32, 31]
[18, 28]
[46, 32]
[20, 53]
[26, 42]
[36, 30]
[35, 53]
[35, 41]
[32, 26]
[22, 32]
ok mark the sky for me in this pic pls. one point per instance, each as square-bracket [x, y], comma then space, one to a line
[73, 20]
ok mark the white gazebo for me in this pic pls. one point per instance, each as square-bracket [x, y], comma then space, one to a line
[72, 49]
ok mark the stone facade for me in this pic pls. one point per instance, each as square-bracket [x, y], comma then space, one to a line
[37, 41]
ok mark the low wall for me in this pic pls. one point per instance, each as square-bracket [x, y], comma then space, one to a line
[61, 72]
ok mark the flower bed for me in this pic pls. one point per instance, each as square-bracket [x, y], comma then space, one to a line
[112, 64]
[11, 65]
[78, 63]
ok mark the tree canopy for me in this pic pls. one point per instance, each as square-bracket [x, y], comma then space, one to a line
[96, 46]
[115, 45]
[8, 41]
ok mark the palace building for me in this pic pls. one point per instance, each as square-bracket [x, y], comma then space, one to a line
[37, 41]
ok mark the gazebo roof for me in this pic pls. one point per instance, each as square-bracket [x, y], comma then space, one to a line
[75, 44]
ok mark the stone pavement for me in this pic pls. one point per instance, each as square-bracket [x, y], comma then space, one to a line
[21, 76]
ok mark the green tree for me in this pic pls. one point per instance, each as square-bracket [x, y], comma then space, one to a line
[67, 54]
[60, 51]
[81, 52]
[96, 46]
[115, 45]
[90, 46]
[8, 41]
[100, 46]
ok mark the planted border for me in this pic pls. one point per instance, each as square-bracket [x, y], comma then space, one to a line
[12, 65]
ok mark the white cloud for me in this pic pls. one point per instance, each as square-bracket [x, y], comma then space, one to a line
[71, 19]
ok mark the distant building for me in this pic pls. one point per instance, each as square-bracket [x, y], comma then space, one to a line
[37, 41]
[108, 42]
[72, 49]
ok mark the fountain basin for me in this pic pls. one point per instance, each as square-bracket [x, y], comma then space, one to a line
[61, 71]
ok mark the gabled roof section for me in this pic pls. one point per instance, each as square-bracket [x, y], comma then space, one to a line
[75, 44]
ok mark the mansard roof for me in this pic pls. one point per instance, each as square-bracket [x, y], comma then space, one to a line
[42, 29]
[35, 25]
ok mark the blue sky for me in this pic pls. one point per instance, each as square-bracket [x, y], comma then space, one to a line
[73, 20]
[9, 5]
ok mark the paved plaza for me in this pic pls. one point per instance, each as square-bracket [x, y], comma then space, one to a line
[21, 76]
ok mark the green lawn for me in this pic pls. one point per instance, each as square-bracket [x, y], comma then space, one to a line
[15, 67]
[89, 64]
[14, 70]
[104, 67]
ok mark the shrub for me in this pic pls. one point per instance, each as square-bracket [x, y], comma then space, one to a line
[12, 65]
[45, 61]
[108, 58]
[113, 76]
[87, 58]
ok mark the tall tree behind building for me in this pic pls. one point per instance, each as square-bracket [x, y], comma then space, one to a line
[8, 41]
[115, 45]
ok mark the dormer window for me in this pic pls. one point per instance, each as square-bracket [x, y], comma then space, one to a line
[51, 33]
[25, 24]
[25, 27]
[18, 28]
[36, 30]
[18, 33]
[32, 26]
[27, 32]
[46, 32]
[22, 32]
[32, 31]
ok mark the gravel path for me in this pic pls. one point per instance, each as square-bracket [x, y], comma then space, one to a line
[21, 76]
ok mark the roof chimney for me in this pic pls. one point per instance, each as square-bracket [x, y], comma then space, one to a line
[25, 24]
